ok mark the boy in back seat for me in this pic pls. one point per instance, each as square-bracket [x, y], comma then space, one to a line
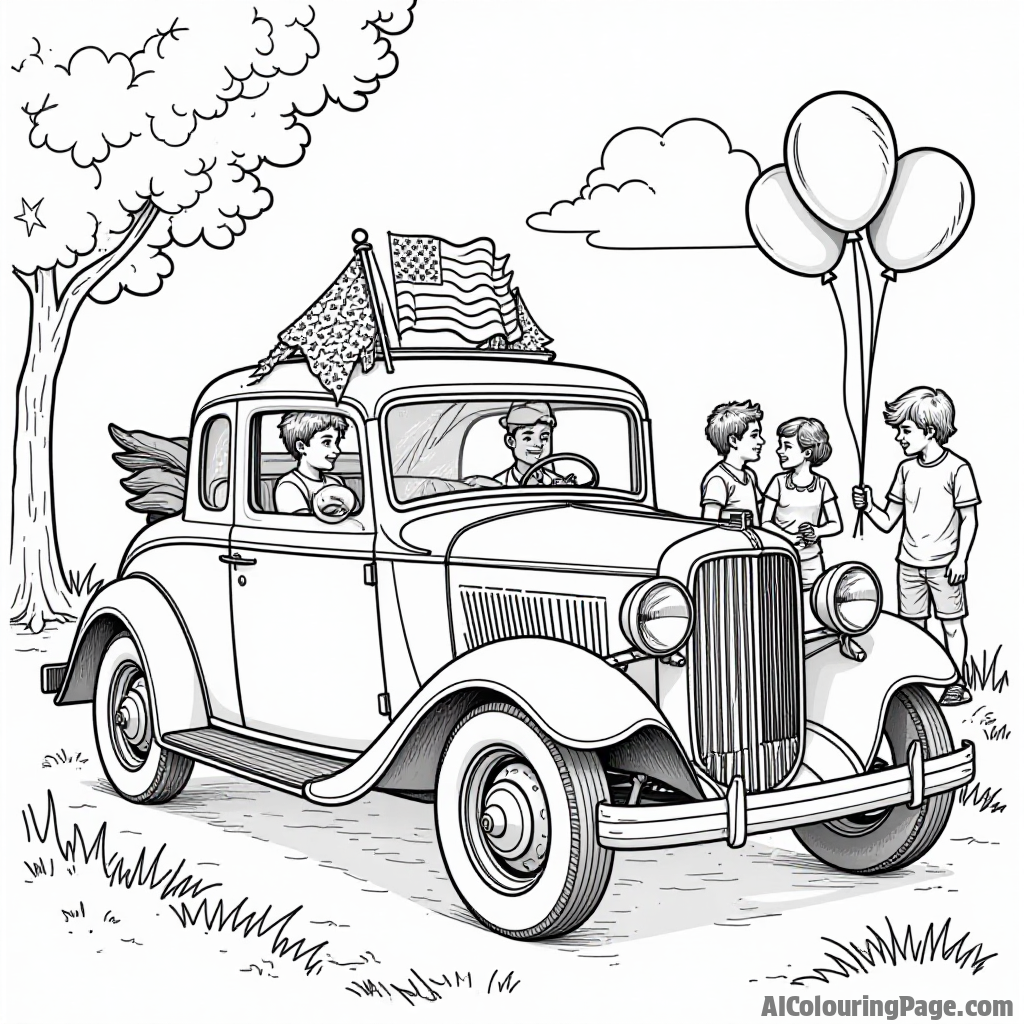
[313, 439]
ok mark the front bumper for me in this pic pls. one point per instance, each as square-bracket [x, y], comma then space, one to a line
[737, 815]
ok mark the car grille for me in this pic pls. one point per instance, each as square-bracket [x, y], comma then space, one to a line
[494, 613]
[746, 668]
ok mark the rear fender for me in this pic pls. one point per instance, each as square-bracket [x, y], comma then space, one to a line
[576, 698]
[847, 700]
[139, 607]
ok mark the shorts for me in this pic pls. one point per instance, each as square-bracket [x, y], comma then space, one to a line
[921, 589]
[810, 569]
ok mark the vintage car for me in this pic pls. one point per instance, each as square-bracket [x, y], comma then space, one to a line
[565, 670]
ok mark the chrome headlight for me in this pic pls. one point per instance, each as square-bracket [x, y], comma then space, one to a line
[657, 616]
[847, 598]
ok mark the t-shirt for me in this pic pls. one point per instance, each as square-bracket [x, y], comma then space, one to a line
[723, 486]
[294, 491]
[796, 505]
[931, 493]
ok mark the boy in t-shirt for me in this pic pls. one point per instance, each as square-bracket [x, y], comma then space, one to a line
[313, 440]
[935, 493]
[734, 429]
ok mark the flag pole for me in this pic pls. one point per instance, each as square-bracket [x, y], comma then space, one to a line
[383, 290]
[365, 252]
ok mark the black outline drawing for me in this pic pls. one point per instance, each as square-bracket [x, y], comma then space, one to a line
[877, 193]
[533, 791]
[930, 581]
[535, 220]
[148, 223]
[728, 691]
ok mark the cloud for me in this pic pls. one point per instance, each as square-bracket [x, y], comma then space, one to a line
[683, 188]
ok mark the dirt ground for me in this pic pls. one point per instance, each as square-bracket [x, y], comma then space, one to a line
[707, 928]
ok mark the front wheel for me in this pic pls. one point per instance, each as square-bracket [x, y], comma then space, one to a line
[516, 817]
[137, 766]
[891, 837]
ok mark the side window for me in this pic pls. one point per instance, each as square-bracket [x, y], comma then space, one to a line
[214, 484]
[295, 453]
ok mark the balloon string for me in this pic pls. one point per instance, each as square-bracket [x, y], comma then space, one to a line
[865, 370]
[846, 372]
[858, 526]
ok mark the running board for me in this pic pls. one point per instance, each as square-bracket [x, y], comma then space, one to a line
[274, 765]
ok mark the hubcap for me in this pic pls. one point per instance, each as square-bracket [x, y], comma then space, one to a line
[508, 834]
[130, 732]
[131, 716]
[514, 819]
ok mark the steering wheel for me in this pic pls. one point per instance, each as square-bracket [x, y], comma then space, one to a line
[548, 459]
[334, 503]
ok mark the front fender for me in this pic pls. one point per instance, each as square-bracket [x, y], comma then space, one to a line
[846, 699]
[138, 606]
[578, 699]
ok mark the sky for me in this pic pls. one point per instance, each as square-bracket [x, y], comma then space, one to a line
[498, 111]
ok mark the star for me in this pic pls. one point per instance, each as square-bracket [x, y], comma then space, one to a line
[30, 216]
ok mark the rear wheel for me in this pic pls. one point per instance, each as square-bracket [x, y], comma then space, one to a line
[137, 766]
[516, 818]
[892, 837]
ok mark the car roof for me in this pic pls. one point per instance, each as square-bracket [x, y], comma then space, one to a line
[425, 371]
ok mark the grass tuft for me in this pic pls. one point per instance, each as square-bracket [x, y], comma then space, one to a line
[76, 760]
[983, 677]
[887, 949]
[82, 587]
[82, 584]
[981, 799]
[175, 884]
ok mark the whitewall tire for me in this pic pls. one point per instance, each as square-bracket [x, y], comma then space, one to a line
[137, 766]
[516, 817]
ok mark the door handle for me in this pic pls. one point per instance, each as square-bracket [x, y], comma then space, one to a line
[233, 559]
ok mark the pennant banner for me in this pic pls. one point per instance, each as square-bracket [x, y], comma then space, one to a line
[335, 332]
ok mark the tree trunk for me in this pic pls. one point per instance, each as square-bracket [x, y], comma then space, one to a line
[42, 593]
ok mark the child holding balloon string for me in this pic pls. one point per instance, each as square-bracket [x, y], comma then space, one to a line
[800, 503]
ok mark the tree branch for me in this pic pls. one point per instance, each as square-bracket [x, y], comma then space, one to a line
[89, 276]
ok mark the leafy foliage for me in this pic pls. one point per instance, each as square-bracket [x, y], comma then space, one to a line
[157, 464]
[179, 130]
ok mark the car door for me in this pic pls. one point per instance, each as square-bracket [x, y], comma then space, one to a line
[193, 573]
[307, 647]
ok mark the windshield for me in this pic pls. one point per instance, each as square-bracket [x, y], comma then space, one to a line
[444, 447]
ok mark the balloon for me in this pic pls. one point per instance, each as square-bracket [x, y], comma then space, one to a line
[929, 209]
[841, 158]
[784, 229]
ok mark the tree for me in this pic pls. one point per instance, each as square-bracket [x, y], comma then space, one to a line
[132, 154]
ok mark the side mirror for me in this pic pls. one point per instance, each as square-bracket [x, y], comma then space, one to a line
[334, 503]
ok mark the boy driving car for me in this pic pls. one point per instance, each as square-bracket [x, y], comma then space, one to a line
[529, 434]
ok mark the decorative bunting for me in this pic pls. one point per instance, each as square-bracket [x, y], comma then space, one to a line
[334, 333]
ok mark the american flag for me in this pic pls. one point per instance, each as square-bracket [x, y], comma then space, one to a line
[443, 288]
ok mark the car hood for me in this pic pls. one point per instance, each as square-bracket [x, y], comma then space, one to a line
[560, 535]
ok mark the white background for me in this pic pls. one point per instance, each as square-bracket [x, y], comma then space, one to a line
[500, 109]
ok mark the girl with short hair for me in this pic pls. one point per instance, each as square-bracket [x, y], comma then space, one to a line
[800, 503]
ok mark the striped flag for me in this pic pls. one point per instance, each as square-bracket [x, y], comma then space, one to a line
[442, 288]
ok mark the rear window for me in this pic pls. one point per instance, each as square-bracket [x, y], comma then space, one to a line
[215, 482]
